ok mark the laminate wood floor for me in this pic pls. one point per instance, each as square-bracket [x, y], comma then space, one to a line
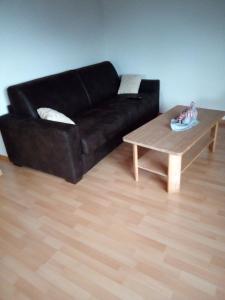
[109, 237]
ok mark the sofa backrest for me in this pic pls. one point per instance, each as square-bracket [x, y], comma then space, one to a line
[100, 80]
[63, 92]
[70, 92]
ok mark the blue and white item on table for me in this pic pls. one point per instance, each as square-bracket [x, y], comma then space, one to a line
[186, 120]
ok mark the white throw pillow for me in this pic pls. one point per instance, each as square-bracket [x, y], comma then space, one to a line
[130, 84]
[53, 115]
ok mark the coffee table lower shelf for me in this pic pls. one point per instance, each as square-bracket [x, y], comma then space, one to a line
[172, 165]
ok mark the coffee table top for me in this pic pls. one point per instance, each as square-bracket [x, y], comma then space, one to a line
[158, 135]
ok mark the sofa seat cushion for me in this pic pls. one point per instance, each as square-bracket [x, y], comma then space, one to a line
[97, 126]
[113, 119]
[134, 110]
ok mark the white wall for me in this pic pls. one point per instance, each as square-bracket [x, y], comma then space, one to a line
[39, 38]
[180, 42]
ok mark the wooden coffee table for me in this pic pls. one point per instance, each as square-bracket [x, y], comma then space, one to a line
[171, 153]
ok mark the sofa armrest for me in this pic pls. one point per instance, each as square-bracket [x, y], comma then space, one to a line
[149, 86]
[48, 146]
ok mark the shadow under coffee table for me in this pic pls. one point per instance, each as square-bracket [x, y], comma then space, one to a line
[170, 153]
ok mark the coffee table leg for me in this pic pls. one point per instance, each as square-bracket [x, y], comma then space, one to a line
[174, 173]
[214, 131]
[135, 161]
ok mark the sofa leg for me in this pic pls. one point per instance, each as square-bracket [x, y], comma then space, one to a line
[73, 180]
[17, 164]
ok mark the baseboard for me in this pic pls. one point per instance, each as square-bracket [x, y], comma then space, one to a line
[4, 157]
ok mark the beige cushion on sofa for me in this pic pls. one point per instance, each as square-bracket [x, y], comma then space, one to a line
[53, 115]
[130, 84]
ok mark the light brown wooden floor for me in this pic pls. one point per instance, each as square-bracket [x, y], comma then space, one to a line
[111, 238]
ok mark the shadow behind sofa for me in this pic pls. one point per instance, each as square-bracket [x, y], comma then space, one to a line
[89, 97]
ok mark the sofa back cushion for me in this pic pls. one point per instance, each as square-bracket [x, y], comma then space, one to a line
[100, 80]
[63, 92]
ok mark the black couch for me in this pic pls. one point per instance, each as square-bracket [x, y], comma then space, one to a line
[89, 97]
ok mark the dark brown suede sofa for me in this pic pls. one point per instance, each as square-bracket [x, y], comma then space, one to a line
[89, 97]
